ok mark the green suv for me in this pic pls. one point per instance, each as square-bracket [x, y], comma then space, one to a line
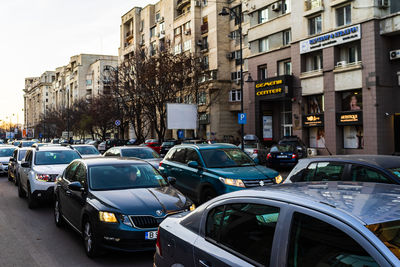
[204, 171]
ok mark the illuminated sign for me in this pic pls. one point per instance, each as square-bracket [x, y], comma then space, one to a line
[313, 120]
[349, 118]
[273, 88]
[264, 84]
[269, 92]
[331, 39]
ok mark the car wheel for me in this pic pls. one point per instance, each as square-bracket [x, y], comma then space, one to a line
[58, 218]
[89, 240]
[207, 194]
[15, 180]
[31, 199]
[9, 176]
[21, 192]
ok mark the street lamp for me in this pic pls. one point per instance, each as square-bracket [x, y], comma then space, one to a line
[225, 12]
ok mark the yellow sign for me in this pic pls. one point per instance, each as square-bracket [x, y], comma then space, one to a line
[270, 92]
[271, 83]
[349, 118]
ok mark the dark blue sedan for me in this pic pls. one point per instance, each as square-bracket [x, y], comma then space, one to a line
[115, 203]
[282, 156]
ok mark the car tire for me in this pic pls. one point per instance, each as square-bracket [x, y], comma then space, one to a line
[9, 176]
[32, 202]
[21, 192]
[58, 218]
[89, 240]
[15, 180]
[206, 194]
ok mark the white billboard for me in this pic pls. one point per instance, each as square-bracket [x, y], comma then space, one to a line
[181, 116]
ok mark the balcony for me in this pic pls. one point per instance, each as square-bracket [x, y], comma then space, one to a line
[181, 4]
[204, 28]
[311, 4]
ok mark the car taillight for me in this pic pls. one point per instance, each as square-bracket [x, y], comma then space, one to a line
[294, 156]
[255, 151]
[159, 165]
[269, 156]
[158, 244]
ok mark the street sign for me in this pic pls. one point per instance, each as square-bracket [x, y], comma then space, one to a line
[242, 118]
[40, 135]
[181, 134]
[117, 123]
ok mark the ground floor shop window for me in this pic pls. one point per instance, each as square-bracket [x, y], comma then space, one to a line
[286, 119]
[353, 137]
[267, 127]
[352, 100]
[317, 137]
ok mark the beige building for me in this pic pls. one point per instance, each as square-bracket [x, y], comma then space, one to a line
[195, 26]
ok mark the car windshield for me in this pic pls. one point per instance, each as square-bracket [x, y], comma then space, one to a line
[21, 155]
[167, 143]
[388, 233]
[6, 152]
[282, 148]
[124, 176]
[226, 158]
[142, 153]
[27, 144]
[87, 150]
[250, 144]
[55, 157]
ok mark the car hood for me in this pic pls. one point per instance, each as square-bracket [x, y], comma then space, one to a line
[50, 169]
[154, 162]
[4, 159]
[245, 173]
[143, 201]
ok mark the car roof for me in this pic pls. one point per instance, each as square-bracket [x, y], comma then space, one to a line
[208, 146]
[383, 161]
[98, 161]
[77, 145]
[369, 203]
[52, 148]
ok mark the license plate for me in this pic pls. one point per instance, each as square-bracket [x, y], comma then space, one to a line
[151, 235]
[281, 156]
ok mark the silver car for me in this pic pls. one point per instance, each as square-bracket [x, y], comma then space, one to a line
[5, 153]
[139, 152]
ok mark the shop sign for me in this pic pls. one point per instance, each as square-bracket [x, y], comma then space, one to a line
[267, 128]
[273, 87]
[349, 118]
[313, 120]
[331, 39]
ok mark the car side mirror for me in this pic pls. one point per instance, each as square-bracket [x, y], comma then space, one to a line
[171, 180]
[12, 159]
[76, 186]
[193, 164]
[25, 164]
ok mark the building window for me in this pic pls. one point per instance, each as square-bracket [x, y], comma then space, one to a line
[285, 67]
[205, 2]
[263, 45]
[153, 32]
[317, 137]
[162, 28]
[235, 95]
[343, 15]
[287, 37]
[235, 76]
[177, 31]
[286, 6]
[262, 72]
[349, 53]
[313, 61]
[202, 98]
[205, 63]
[141, 25]
[204, 43]
[236, 10]
[263, 15]
[186, 26]
[315, 104]
[315, 25]
[286, 119]
[352, 101]
[177, 49]
[153, 48]
[187, 45]
[158, 16]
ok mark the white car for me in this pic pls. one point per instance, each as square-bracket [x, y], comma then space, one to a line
[39, 170]
[5, 153]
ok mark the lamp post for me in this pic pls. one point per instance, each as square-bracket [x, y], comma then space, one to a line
[225, 12]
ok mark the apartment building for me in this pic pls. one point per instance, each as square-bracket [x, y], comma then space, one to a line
[327, 71]
[196, 27]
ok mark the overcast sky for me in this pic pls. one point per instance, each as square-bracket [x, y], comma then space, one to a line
[40, 35]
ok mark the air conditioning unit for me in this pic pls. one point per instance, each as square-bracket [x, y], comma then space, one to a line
[383, 3]
[395, 54]
[276, 7]
[341, 64]
[197, 3]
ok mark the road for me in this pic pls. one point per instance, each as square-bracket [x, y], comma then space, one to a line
[30, 238]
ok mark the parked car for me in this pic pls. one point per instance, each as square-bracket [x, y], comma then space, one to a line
[15, 163]
[86, 151]
[139, 152]
[282, 156]
[115, 203]
[357, 168]
[39, 170]
[114, 142]
[26, 143]
[102, 147]
[296, 142]
[204, 171]
[166, 146]
[255, 149]
[305, 224]
[154, 144]
[5, 153]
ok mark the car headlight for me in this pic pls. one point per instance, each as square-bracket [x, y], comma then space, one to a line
[232, 182]
[278, 179]
[108, 217]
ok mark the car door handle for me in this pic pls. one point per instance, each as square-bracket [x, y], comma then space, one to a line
[204, 263]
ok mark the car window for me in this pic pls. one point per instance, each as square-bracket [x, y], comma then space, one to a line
[6, 152]
[247, 229]
[21, 154]
[70, 172]
[87, 150]
[80, 174]
[179, 155]
[191, 155]
[364, 174]
[317, 243]
[15, 154]
[28, 156]
[170, 155]
[142, 153]
[323, 171]
[225, 158]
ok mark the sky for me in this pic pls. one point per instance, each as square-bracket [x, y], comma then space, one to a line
[40, 35]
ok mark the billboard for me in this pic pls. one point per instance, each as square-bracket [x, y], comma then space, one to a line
[28, 133]
[181, 116]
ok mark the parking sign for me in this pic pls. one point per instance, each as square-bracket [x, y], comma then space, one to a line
[242, 118]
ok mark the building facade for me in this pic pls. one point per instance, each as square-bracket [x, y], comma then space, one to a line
[326, 71]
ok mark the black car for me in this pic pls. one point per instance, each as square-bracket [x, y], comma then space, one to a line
[139, 152]
[296, 142]
[115, 203]
[167, 145]
[282, 156]
[115, 142]
[357, 168]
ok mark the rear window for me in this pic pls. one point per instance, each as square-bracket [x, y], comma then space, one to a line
[282, 148]
[55, 157]
[168, 143]
[87, 150]
[142, 153]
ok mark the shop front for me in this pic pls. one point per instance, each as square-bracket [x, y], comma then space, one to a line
[313, 121]
[273, 107]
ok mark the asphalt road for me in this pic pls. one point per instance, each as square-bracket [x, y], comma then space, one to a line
[30, 238]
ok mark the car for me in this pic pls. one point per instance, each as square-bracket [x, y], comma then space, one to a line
[115, 203]
[26, 143]
[86, 151]
[361, 168]
[39, 169]
[16, 142]
[6, 152]
[15, 163]
[154, 144]
[102, 147]
[145, 153]
[204, 171]
[296, 142]
[166, 146]
[254, 148]
[114, 142]
[194, 141]
[303, 224]
[282, 156]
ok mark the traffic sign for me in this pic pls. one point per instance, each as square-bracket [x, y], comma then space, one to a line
[242, 118]
[117, 123]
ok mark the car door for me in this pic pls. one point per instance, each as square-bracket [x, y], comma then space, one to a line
[24, 171]
[239, 233]
[64, 192]
[362, 173]
[78, 198]
[175, 168]
[13, 164]
[191, 177]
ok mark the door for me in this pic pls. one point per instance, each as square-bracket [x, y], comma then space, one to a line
[175, 168]
[65, 192]
[191, 177]
[78, 198]
[24, 173]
